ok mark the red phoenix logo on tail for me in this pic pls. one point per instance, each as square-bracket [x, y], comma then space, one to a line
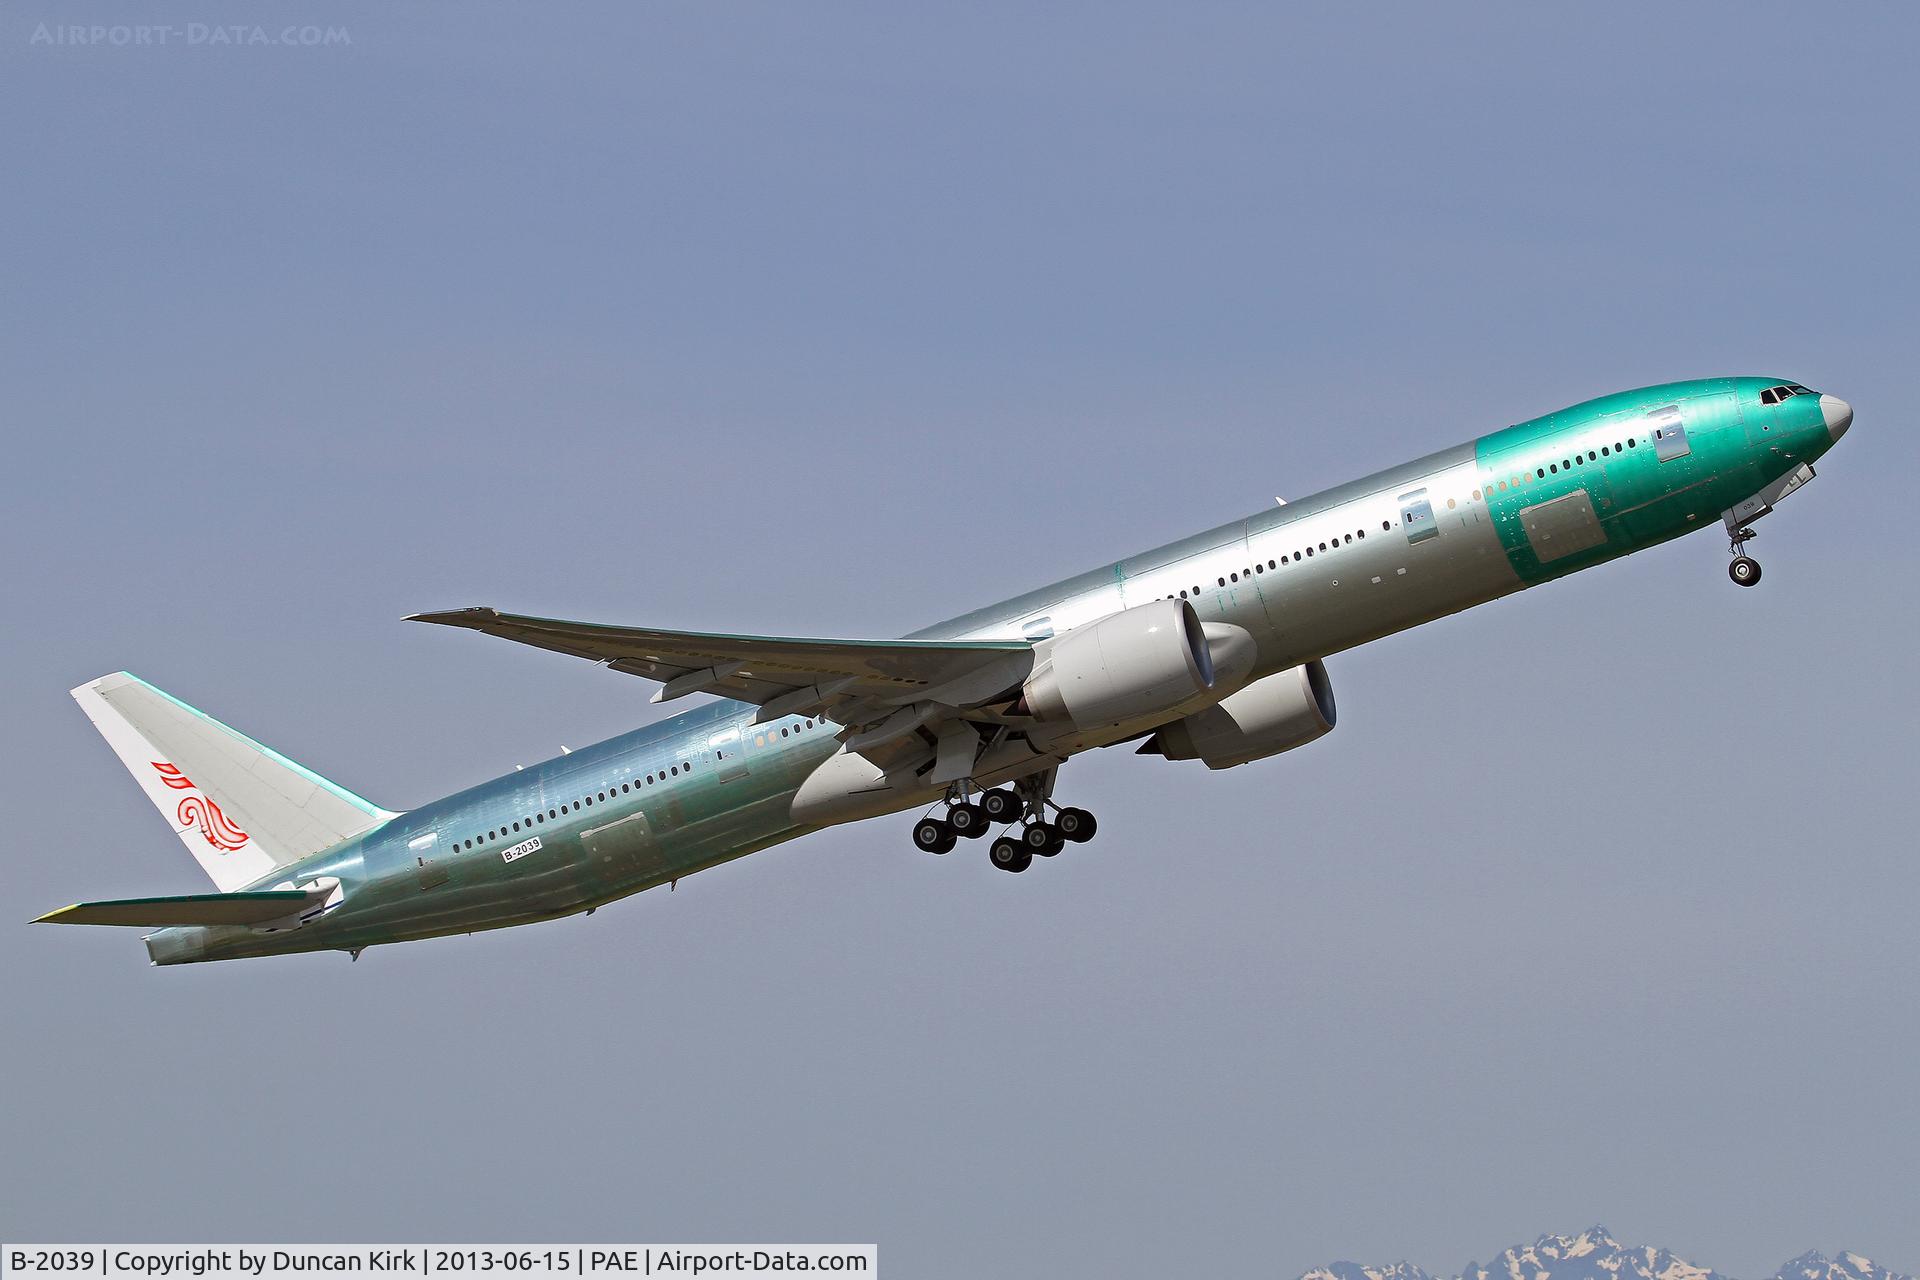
[171, 775]
[216, 828]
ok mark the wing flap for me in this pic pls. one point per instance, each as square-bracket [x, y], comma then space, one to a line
[259, 907]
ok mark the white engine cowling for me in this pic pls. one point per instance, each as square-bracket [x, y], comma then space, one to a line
[1145, 662]
[1276, 713]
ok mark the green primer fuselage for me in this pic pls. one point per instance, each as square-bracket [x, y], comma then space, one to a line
[1461, 527]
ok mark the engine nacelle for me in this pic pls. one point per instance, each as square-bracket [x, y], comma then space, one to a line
[1276, 713]
[1147, 662]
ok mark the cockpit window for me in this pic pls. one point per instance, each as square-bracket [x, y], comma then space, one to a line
[1785, 391]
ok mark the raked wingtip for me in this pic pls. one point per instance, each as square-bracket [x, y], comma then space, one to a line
[454, 617]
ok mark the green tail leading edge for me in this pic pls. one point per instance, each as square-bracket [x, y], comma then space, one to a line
[1206, 649]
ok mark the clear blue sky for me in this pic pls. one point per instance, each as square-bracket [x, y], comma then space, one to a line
[1599, 905]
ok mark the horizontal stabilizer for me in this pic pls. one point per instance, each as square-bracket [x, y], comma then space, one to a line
[260, 907]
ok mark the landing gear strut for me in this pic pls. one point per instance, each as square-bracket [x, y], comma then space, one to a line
[1745, 570]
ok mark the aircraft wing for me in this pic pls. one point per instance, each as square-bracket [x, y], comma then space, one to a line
[882, 690]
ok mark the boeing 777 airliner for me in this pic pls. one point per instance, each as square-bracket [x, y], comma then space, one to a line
[1206, 649]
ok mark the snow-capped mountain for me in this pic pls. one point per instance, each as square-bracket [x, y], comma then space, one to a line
[1592, 1255]
[1354, 1271]
[1848, 1266]
[1595, 1255]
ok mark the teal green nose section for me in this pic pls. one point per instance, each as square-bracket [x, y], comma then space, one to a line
[1631, 470]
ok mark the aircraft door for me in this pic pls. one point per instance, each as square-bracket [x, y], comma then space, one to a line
[727, 755]
[1416, 516]
[624, 849]
[1753, 425]
[1669, 427]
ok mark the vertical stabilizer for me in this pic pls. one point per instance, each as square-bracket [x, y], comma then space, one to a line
[242, 810]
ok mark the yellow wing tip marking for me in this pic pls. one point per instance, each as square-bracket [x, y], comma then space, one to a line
[53, 917]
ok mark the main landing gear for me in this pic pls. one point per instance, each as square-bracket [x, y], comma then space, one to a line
[1026, 802]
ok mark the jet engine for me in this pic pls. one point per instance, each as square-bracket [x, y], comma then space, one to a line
[1135, 666]
[1273, 714]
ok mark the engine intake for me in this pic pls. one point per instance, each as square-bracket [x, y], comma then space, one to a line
[1136, 665]
[1276, 713]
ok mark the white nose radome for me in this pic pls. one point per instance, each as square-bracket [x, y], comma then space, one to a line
[1838, 413]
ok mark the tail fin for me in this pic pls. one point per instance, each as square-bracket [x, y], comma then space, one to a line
[243, 810]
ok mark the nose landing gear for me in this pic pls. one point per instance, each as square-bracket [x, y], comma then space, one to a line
[1739, 518]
